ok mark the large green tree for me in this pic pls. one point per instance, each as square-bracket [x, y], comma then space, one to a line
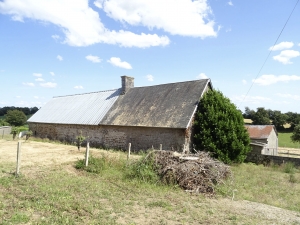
[261, 117]
[296, 134]
[15, 117]
[219, 128]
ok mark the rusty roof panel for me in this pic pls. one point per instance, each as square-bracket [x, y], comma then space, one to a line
[260, 131]
[87, 109]
[167, 105]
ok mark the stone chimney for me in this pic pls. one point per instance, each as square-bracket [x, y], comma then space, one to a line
[127, 83]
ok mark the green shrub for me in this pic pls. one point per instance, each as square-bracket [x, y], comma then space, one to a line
[95, 165]
[143, 170]
[219, 128]
[289, 168]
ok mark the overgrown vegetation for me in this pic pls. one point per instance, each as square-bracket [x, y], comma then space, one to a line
[274, 185]
[219, 128]
[61, 194]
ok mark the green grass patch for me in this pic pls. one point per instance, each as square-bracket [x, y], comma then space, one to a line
[275, 185]
[284, 140]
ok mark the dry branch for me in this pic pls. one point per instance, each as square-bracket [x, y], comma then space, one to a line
[193, 173]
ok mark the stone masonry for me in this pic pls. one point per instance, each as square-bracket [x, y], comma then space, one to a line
[141, 138]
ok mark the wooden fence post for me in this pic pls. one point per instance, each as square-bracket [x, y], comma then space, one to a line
[18, 158]
[129, 148]
[160, 147]
[87, 153]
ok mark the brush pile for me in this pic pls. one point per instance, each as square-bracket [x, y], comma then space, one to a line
[197, 173]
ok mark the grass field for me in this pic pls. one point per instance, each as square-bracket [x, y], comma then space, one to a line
[60, 194]
[284, 140]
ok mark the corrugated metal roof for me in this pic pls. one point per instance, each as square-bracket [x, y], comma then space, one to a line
[167, 105]
[259, 131]
[85, 109]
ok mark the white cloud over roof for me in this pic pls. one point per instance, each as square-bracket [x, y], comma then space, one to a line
[28, 84]
[82, 25]
[272, 79]
[59, 57]
[150, 77]
[93, 58]
[281, 46]
[117, 62]
[185, 17]
[48, 85]
[285, 56]
[202, 76]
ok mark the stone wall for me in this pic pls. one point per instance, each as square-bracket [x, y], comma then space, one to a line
[5, 130]
[141, 138]
[257, 157]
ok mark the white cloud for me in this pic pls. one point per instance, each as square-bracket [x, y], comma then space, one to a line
[294, 97]
[28, 84]
[285, 56]
[117, 62]
[272, 79]
[244, 81]
[82, 25]
[281, 46]
[55, 37]
[93, 58]
[37, 75]
[36, 97]
[78, 87]
[18, 96]
[48, 85]
[230, 3]
[60, 58]
[250, 99]
[39, 79]
[52, 73]
[150, 77]
[202, 76]
[186, 17]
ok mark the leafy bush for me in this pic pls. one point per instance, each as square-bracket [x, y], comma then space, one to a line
[96, 165]
[3, 123]
[219, 128]
[15, 117]
[143, 170]
[14, 132]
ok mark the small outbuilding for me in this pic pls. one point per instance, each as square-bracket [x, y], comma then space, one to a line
[263, 138]
[143, 116]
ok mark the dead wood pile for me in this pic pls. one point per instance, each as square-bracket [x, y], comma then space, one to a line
[194, 173]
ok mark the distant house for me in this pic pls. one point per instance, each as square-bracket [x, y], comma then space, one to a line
[263, 138]
[143, 116]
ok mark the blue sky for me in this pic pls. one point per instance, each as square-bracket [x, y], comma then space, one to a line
[60, 47]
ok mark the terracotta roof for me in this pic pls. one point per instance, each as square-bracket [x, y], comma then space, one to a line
[260, 131]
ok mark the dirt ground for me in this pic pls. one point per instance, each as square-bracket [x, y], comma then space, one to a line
[42, 155]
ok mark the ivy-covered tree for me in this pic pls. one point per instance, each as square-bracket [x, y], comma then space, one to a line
[15, 117]
[296, 134]
[219, 128]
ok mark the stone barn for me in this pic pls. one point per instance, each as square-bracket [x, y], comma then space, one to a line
[143, 116]
[264, 138]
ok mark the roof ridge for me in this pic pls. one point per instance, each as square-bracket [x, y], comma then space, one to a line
[86, 93]
[174, 83]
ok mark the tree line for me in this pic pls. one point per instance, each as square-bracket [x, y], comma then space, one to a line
[26, 110]
[264, 116]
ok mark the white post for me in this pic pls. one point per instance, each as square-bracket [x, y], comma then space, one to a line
[87, 152]
[160, 147]
[18, 158]
[129, 148]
